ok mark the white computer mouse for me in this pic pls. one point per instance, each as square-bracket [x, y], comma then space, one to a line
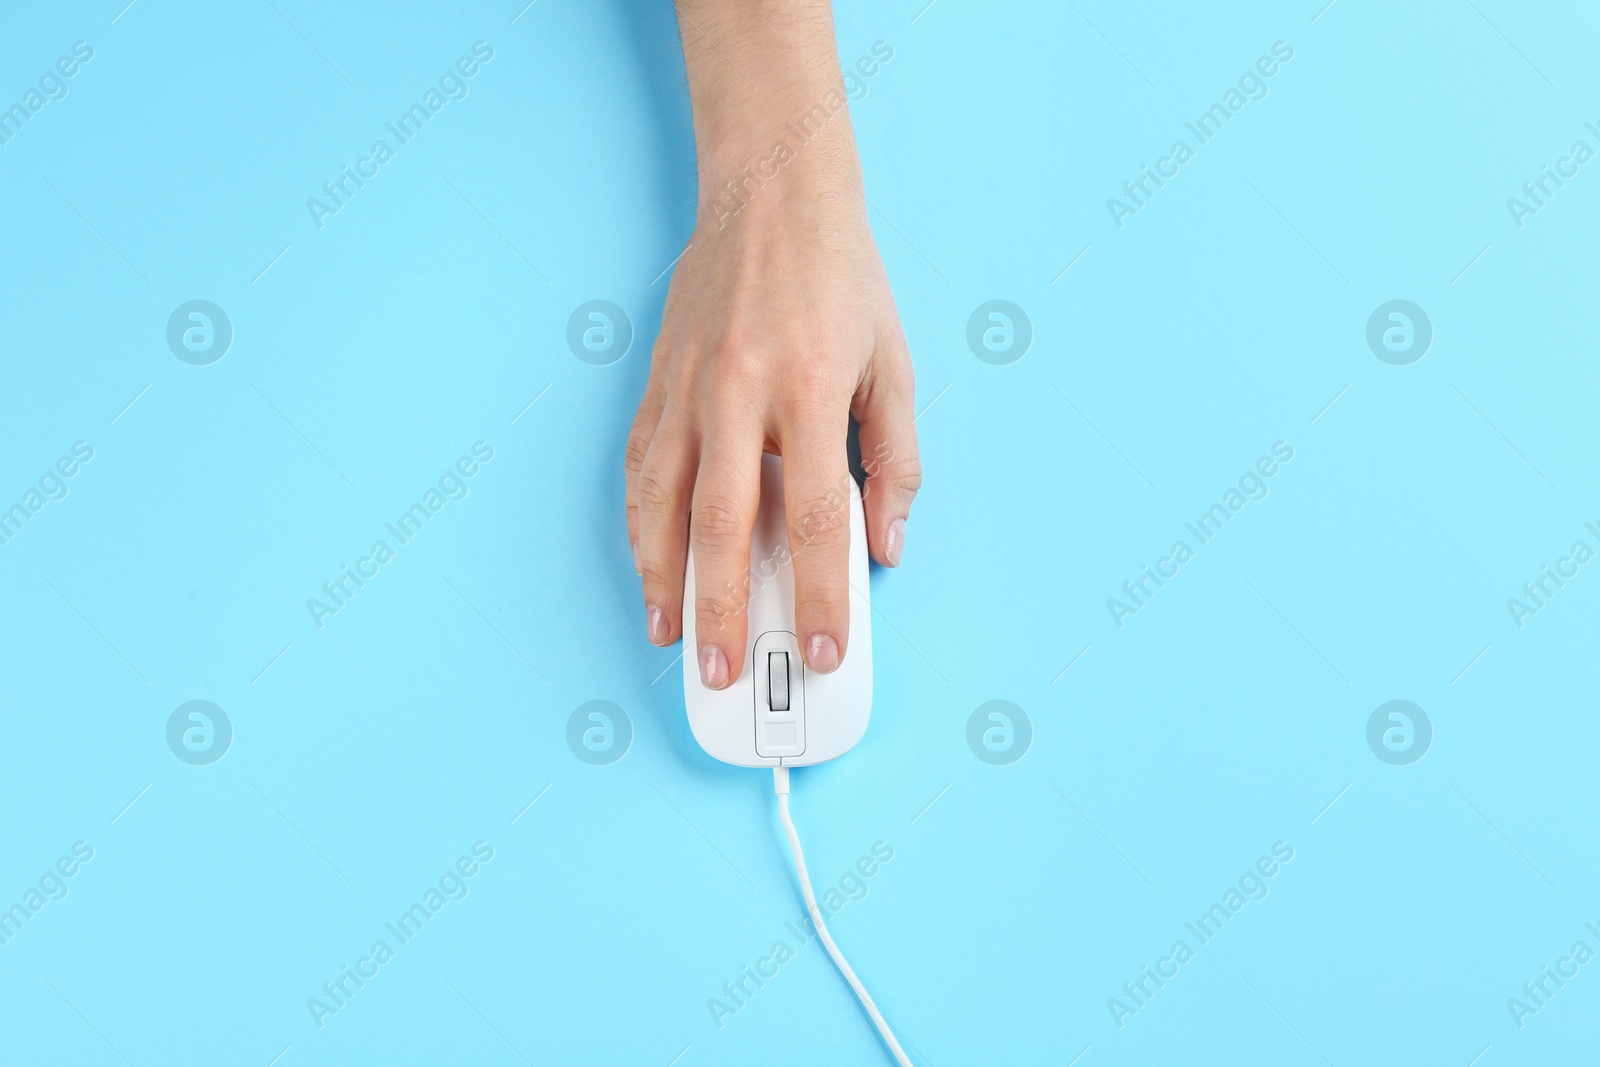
[778, 713]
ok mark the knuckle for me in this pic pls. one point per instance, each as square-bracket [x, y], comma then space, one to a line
[661, 351]
[892, 469]
[821, 520]
[716, 613]
[737, 379]
[903, 475]
[658, 495]
[827, 603]
[656, 389]
[739, 334]
[638, 448]
[716, 520]
[737, 367]
[664, 581]
[721, 604]
[815, 391]
[895, 363]
[736, 339]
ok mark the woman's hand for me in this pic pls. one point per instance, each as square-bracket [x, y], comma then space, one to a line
[779, 325]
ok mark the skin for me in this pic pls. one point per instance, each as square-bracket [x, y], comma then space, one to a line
[779, 326]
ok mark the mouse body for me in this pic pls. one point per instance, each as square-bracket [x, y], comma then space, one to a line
[779, 713]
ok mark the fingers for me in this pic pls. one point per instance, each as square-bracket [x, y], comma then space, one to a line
[727, 494]
[885, 408]
[640, 435]
[816, 492]
[666, 478]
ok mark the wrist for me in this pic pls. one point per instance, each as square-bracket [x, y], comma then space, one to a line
[733, 121]
[798, 146]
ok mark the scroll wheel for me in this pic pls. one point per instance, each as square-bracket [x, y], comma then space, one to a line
[778, 681]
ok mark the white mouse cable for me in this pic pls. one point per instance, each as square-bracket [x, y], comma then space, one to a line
[780, 783]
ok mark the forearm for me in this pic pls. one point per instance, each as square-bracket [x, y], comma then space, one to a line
[769, 105]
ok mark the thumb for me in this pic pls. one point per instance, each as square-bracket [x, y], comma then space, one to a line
[884, 406]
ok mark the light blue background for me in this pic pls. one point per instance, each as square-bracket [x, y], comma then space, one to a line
[370, 754]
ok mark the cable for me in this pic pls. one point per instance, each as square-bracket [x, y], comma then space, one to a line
[780, 784]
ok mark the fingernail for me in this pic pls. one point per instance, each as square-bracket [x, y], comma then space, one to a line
[713, 668]
[895, 542]
[822, 654]
[656, 625]
[638, 568]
